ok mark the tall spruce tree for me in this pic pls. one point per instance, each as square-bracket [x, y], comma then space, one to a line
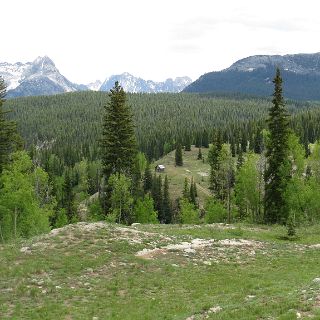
[178, 155]
[213, 160]
[147, 180]
[68, 195]
[167, 212]
[240, 159]
[199, 154]
[205, 139]
[187, 146]
[277, 173]
[118, 143]
[258, 142]
[192, 192]
[186, 191]
[157, 195]
[7, 130]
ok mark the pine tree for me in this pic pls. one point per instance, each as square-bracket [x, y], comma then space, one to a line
[244, 143]
[187, 146]
[192, 192]
[205, 139]
[68, 198]
[306, 148]
[147, 180]
[195, 189]
[240, 159]
[291, 226]
[258, 142]
[178, 155]
[7, 130]
[233, 148]
[167, 212]
[159, 204]
[118, 143]
[277, 174]
[186, 192]
[154, 187]
[219, 140]
[213, 159]
[308, 172]
[156, 193]
[199, 155]
[198, 140]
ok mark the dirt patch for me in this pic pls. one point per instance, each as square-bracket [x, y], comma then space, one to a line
[222, 226]
[75, 233]
[314, 246]
[207, 251]
[205, 314]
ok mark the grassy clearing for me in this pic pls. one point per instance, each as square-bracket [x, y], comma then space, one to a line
[198, 169]
[92, 271]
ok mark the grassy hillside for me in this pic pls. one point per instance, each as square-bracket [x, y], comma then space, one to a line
[199, 170]
[103, 271]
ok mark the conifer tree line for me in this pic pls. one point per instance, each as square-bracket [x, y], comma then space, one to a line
[164, 120]
[275, 183]
[262, 172]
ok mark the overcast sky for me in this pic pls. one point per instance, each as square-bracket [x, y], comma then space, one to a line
[154, 39]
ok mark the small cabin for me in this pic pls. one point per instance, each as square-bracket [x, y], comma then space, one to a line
[160, 168]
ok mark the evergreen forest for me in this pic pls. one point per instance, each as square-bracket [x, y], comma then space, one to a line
[88, 156]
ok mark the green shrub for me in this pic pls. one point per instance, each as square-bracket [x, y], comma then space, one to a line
[215, 211]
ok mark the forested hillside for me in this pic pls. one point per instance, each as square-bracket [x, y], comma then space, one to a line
[69, 125]
[253, 75]
[82, 164]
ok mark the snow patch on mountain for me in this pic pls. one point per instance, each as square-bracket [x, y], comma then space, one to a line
[41, 77]
[12, 73]
[94, 86]
[35, 78]
[134, 84]
[296, 63]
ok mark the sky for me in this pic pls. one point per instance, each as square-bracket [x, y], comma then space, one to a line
[156, 40]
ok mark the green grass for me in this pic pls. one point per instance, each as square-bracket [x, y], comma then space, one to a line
[81, 274]
[198, 169]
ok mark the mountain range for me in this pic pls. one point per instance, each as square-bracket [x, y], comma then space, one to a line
[41, 77]
[254, 75]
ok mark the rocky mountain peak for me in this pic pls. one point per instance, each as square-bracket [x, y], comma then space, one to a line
[297, 63]
[40, 66]
[253, 76]
[41, 77]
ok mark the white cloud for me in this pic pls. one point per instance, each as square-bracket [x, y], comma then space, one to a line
[93, 39]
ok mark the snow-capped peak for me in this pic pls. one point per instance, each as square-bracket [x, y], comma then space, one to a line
[35, 78]
[94, 86]
[41, 77]
[134, 84]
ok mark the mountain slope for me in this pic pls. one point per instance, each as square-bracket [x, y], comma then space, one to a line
[253, 75]
[133, 84]
[12, 73]
[41, 77]
[192, 169]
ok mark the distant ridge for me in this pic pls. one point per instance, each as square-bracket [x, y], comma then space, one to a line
[253, 76]
[41, 77]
